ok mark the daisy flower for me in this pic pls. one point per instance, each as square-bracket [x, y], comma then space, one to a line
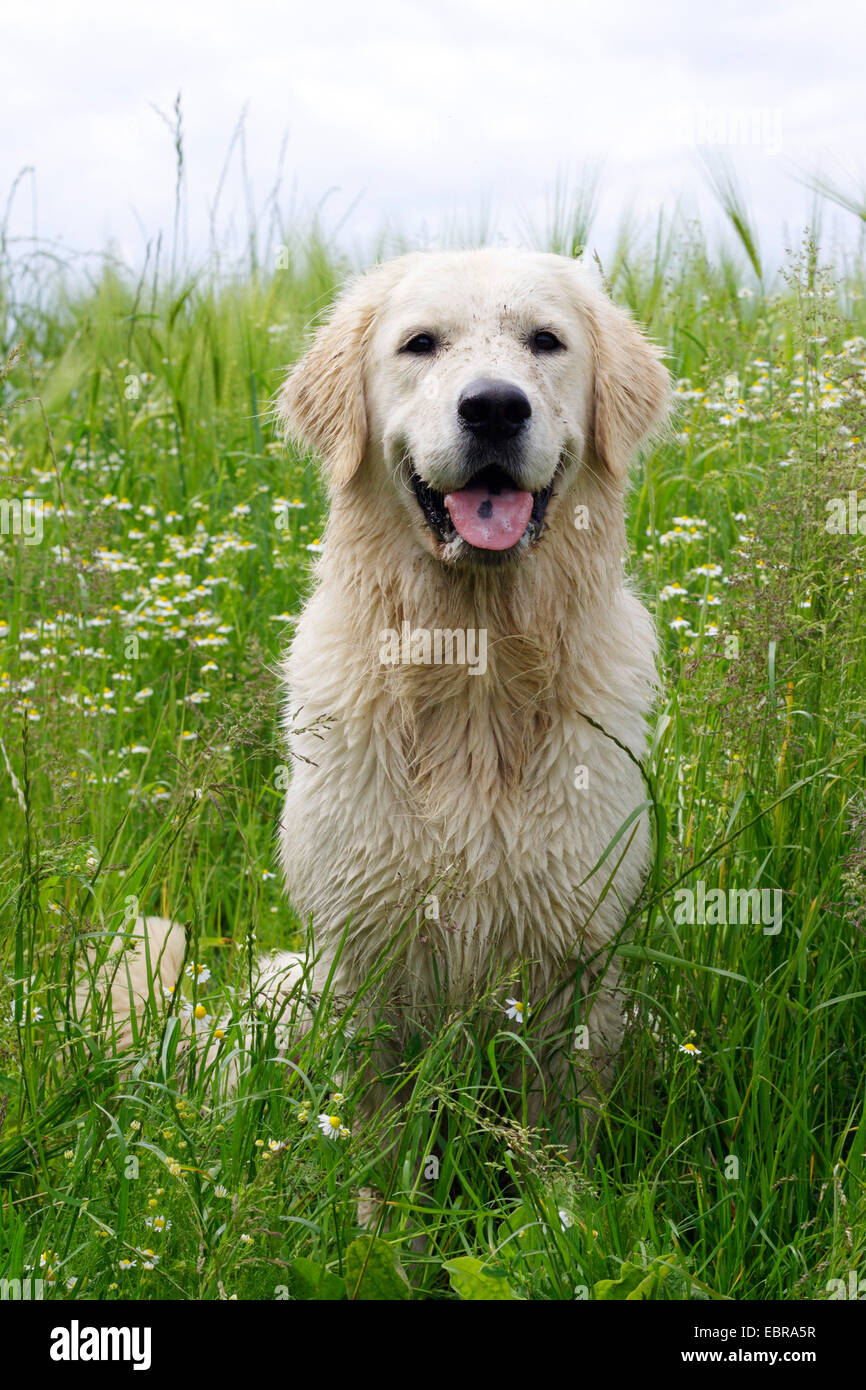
[332, 1127]
[516, 1010]
[200, 1016]
[673, 591]
[28, 1012]
[158, 1223]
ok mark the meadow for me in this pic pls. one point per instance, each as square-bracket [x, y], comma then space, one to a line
[141, 769]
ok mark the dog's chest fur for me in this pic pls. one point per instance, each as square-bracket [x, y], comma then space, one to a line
[469, 807]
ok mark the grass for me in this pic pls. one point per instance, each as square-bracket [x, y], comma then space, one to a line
[141, 769]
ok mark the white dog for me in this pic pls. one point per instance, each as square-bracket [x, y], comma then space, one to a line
[468, 687]
[471, 667]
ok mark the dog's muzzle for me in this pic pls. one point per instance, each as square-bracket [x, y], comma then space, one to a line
[491, 513]
[487, 509]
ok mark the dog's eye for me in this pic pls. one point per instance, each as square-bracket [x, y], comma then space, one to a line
[545, 341]
[422, 343]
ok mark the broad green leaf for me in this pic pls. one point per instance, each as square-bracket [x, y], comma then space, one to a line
[474, 1282]
[635, 1283]
[373, 1272]
[312, 1282]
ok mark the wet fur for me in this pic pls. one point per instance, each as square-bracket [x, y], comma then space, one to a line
[409, 780]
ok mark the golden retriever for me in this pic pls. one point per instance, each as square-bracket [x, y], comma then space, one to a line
[468, 687]
[471, 668]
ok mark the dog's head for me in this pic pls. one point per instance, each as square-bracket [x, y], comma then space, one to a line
[479, 383]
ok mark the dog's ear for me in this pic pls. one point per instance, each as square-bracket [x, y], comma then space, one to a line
[322, 402]
[631, 393]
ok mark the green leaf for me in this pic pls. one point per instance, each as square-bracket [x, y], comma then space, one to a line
[312, 1282]
[521, 1236]
[636, 1283]
[477, 1283]
[373, 1272]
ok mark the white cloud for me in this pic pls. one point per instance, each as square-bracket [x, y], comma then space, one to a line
[428, 111]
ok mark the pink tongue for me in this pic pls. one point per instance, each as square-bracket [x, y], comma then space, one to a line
[490, 520]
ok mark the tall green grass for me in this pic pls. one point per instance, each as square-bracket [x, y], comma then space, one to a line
[142, 770]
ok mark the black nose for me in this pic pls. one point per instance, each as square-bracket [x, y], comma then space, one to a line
[495, 410]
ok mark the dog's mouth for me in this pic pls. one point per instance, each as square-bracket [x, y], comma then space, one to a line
[491, 513]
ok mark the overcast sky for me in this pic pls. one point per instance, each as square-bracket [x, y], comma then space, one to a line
[421, 113]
